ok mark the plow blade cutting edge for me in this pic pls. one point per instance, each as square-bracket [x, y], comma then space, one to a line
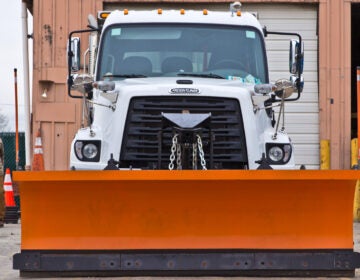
[263, 222]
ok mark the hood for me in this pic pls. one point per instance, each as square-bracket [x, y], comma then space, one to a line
[184, 86]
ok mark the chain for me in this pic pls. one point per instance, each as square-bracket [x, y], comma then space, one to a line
[176, 153]
[201, 152]
[178, 156]
[173, 150]
[194, 156]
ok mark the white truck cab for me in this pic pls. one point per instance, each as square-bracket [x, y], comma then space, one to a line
[169, 89]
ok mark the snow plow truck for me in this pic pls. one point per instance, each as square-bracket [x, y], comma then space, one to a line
[182, 164]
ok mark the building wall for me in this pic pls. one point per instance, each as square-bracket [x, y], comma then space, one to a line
[335, 79]
[58, 116]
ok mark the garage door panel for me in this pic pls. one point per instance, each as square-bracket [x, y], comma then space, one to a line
[309, 45]
[271, 11]
[306, 119]
[300, 107]
[306, 154]
[276, 56]
[295, 128]
[302, 118]
[309, 138]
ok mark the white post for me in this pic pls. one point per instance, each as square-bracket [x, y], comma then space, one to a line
[26, 83]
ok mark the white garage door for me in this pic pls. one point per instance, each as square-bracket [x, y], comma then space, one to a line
[302, 118]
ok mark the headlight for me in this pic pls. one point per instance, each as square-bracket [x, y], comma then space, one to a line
[278, 153]
[88, 150]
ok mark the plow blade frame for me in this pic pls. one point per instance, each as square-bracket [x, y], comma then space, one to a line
[233, 222]
[302, 264]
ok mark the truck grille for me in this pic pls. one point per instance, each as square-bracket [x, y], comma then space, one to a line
[147, 144]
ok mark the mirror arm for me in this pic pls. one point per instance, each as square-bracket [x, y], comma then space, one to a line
[70, 81]
[266, 32]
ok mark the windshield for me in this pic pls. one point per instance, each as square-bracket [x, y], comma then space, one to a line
[154, 50]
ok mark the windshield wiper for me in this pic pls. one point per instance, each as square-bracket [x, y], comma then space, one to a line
[124, 76]
[208, 75]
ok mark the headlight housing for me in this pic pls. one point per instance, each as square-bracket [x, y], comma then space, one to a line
[277, 153]
[86, 150]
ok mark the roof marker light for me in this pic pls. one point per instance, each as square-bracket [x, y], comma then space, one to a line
[126, 11]
[205, 12]
[182, 12]
[238, 13]
[159, 11]
[103, 15]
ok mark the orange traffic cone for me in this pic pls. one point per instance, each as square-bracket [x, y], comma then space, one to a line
[9, 193]
[11, 210]
[38, 158]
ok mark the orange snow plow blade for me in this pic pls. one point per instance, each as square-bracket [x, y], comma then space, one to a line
[167, 221]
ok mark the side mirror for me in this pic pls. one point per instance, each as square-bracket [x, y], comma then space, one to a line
[298, 84]
[74, 54]
[82, 83]
[296, 57]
